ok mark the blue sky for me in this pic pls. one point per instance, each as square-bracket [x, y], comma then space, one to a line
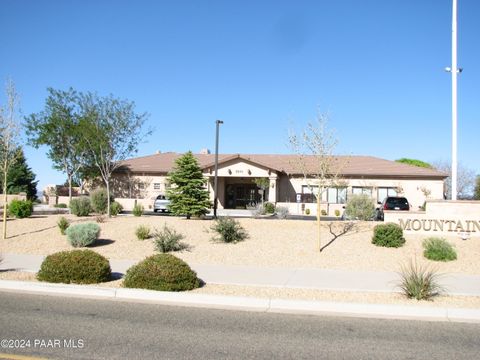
[263, 67]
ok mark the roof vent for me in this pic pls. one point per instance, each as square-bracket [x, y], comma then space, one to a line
[204, 151]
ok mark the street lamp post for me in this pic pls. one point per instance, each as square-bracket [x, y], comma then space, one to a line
[215, 182]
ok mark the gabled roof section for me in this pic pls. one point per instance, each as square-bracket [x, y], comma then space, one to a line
[348, 166]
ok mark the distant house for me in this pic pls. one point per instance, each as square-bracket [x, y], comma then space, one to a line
[144, 178]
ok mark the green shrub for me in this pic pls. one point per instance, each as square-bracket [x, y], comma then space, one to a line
[168, 239]
[228, 230]
[99, 200]
[269, 208]
[142, 232]
[63, 225]
[115, 208]
[60, 206]
[138, 210]
[337, 213]
[75, 266]
[80, 206]
[388, 235]
[81, 235]
[438, 249]
[360, 207]
[323, 212]
[307, 211]
[162, 272]
[419, 283]
[20, 208]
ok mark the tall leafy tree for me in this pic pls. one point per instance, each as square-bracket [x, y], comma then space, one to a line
[414, 162]
[111, 131]
[187, 192]
[476, 192]
[21, 178]
[57, 127]
[9, 140]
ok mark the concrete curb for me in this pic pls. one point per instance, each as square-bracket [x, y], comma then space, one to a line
[381, 311]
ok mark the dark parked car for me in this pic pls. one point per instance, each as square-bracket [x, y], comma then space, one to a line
[392, 203]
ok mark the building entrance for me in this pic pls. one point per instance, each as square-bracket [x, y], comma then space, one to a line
[241, 196]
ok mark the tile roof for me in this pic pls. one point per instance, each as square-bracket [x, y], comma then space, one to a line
[354, 166]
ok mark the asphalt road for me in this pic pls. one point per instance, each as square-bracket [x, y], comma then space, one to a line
[72, 328]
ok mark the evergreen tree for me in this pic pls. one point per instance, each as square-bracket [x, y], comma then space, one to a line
[188, 195]
[20, 177]
[476, 192]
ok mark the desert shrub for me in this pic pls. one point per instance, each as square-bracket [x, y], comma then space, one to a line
[162, 272]
[100, 219]
[282, 212]
[61, 206]
[438, 249]
[81, 206]
[228, 230]
[99, 200]
[168, 239]
[307, 211]
[20, 208]
[142, 232]
[323, 212]
[138, 210]
[81, 235]
[360, 207]
[388, 235]
[337, 213]
[419, 282]
[75, 266]
[115, 208]
[269, 208]
[63, 225]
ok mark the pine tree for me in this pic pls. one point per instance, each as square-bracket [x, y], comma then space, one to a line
[188, 195]
[20, 177]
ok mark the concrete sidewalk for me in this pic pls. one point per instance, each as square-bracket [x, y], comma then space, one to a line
[306, 278]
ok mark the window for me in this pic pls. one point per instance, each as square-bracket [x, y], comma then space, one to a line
[384, 192]
[356, 190]
[337, 195]
[309, 194]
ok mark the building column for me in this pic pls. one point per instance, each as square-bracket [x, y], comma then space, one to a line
[272, 189]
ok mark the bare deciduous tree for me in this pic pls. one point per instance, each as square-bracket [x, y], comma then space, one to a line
[316, 161]
[465, 179]
[9, 140]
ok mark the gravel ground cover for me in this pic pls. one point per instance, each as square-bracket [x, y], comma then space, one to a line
[271, 243]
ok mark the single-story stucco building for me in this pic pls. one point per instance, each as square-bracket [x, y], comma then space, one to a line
[142, 179]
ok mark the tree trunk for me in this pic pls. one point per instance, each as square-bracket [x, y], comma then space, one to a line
[108, 198]
[69, 188]
[5, 205]
[318, 220]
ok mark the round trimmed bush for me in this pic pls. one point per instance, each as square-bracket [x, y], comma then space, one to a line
[81, 206]
[82, 235]
[115, 208]
[438, 249]
[75, 266]
[20, 208]
[388, 235]
[269, 208]
[162, 272]
[99, 200]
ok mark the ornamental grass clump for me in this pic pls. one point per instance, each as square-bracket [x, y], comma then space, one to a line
[138, 210]
[63, 225]
[75, 266]
[168, 239]
[228, 230]
[163, 272]
[388, 235]
[417, 282]
[142, 232]
[82, 235]
[438, 249]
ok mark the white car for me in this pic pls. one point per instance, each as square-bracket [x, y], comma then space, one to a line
[161, 203]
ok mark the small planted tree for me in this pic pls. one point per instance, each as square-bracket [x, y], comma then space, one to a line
[187, 193]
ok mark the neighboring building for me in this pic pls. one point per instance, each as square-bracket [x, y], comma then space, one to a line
[144, 178]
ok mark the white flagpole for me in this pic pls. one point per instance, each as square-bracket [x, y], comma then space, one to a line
[454, 71]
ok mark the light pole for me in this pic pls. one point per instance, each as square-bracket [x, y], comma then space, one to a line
[215, 181]
[454, 70]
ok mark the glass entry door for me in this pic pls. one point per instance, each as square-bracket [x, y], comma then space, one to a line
[241, 196]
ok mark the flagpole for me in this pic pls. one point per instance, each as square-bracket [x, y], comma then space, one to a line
[454, 71]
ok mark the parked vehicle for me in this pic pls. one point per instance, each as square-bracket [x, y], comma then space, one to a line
[392, 203]
[161, 203]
